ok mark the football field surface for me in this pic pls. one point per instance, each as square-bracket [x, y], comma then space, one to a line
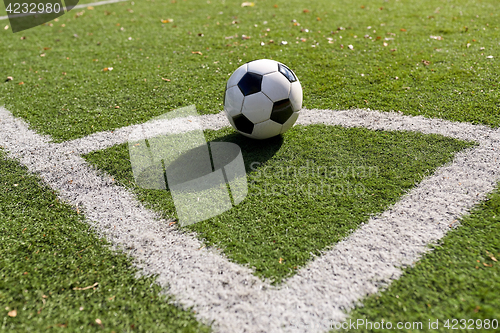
[220, 290]
[432, 138]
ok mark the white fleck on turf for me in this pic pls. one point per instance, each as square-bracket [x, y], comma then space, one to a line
[228, 293]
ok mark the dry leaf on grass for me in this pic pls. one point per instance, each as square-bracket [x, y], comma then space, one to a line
[436, 37]
[12, 313]
[247, 4]
[491, 256]
[85, 288]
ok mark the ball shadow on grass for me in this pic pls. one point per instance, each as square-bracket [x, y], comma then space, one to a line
[193, 164]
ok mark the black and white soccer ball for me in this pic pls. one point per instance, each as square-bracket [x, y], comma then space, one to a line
[262, 99]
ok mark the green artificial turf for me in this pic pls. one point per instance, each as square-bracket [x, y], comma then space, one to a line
[435, 62]
[307, 189]
[457, 280]
[47, 250]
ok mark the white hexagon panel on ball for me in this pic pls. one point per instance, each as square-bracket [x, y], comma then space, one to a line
[262, 66]
[266, 129]
[296, 95]
[233, 101]
[257, 107]
[276, 86]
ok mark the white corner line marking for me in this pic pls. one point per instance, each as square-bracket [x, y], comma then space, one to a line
[106, 139]
[228, 293]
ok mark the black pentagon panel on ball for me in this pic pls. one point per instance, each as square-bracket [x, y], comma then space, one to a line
[243, 124]
[250, 83]
[287, 72]
[282, 110]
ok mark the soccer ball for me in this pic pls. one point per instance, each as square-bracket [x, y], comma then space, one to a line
[262, 99]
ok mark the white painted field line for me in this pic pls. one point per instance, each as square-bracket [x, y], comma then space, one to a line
[103, 140]
[85, 5]
[197, 276]
[325, 287]
[348, 118]
[393, 121]
[371, 256]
